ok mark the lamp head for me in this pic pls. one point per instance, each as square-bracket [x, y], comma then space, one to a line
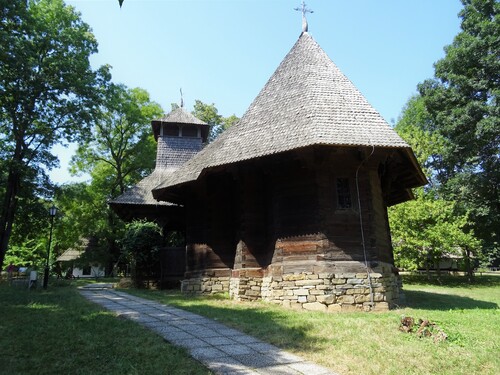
[53, 211]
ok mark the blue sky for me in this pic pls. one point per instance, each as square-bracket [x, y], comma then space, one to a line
[224, 51]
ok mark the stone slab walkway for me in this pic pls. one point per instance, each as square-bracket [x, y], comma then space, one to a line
[222, 349]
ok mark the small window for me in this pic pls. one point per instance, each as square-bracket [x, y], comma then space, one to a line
[344, 201]
[87, 271]
[171, 131]
[189, 131]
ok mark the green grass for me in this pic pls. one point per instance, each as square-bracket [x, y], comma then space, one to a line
[57, 331]
[371, 343]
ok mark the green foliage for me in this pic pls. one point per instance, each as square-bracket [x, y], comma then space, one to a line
[462, 103]
[454, 128]
[210, 114]
[30, 253]
[122, 149]
[48, 95]
[140, 246]
[425, 229]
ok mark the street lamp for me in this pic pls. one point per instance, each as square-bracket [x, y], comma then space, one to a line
[52, 213]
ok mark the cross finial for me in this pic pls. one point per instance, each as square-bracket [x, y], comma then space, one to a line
[303, 8]
[182, 99]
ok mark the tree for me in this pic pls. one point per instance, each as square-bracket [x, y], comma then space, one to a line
[120, 152]
[122, 139]
[210, 114]
[48, 93]
[462, 102]
[140, 245]
[426, 229]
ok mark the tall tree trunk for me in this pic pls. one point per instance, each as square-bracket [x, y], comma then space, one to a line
[428, 265]
[468, 266]
[9, 209]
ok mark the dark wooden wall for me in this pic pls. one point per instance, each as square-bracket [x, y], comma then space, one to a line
[283, 211]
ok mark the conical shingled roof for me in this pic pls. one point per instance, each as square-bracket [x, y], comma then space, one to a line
[307, 101]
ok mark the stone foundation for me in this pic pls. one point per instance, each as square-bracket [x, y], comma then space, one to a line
[246, 284]
[331, 292]
[210, 282]
[328, 292]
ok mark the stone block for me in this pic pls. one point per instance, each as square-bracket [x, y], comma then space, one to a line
[308, 282]
[253, 293]
[277, 293]
[316, 292]
[296, 306]
[312, 277]
[381, 306]
[324, 275]
[345, 299]
[314, 306]
[311, 298]
[339, 281]
[361, 298]
[302, 299]
[335, 308]
[324, 287]
[361, 276]
[301, 292]
[326, 299]
[294, 277]
[352, 308]
[345, 276]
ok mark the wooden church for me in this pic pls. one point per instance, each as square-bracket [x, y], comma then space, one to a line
[290, 204]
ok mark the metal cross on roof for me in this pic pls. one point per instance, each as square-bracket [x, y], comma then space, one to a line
[303, 8]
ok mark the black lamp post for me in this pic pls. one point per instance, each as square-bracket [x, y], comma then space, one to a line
[52, 213]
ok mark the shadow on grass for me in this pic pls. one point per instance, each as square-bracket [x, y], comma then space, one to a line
[421, 300]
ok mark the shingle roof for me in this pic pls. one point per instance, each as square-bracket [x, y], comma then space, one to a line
[70, 254]
[74, 253]
[307, 101]
[140, 193]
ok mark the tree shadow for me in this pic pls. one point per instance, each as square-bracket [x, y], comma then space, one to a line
[422, 300]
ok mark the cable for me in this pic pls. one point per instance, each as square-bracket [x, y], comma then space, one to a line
[362, 230]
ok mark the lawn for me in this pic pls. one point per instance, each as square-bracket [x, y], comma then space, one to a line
[57, 331]
[371, 343]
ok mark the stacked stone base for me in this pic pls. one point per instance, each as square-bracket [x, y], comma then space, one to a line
[378, 290]
[208, 282]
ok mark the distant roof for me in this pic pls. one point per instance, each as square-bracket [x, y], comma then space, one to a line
[69, 255]
[307, 101]
[177, 116]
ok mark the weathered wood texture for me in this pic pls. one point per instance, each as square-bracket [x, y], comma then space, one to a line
[283, 212]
